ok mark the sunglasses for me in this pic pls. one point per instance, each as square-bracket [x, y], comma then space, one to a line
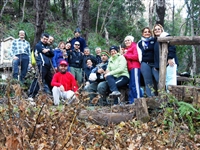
[77, 44]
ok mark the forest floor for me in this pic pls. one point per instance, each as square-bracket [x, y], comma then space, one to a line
[44, 126]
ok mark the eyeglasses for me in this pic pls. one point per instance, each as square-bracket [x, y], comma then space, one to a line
[126, 40]
[77, 44]
[157, 29]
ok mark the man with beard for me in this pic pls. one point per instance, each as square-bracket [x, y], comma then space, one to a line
[64, 85]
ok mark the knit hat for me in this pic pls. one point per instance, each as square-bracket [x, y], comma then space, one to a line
[77, 30]
[63, 62]
[104, 52]
[114, 47]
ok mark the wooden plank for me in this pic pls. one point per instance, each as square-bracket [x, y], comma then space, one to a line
[180, 40]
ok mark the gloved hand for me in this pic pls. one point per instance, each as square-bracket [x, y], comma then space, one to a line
[92, 77]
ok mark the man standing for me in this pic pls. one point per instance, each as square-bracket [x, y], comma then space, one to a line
[21, 56]
[78, 38]
[75, 59]
[64, 85]
[44, 55]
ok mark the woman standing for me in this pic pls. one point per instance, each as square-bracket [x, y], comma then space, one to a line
[59, 55]
[172, 60]
[133, 57]
[150, 60]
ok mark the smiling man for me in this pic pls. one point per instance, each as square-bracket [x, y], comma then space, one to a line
[64, 84]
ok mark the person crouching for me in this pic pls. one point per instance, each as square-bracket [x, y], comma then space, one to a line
[64, 85]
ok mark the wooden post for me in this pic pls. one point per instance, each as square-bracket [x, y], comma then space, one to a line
[163, 62]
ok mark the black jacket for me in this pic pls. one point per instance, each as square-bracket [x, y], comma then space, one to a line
[43, 59]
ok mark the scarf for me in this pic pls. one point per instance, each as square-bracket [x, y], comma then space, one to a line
[145, 42]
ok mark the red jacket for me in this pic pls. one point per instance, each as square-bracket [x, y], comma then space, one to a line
[132, 57]
[67, 80]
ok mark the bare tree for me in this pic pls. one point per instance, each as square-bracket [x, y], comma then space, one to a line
[23, 10]
[98, 12]
[106, 15]
[41, 7]
[160, 11]
[2, 10]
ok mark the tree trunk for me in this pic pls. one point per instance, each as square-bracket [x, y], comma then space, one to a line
[104, 20]
[63, 10]
[151, 8]
[83, 17]
[2, 10]
[41, 7]
[98, 12]
[160, 12]
[23, 10]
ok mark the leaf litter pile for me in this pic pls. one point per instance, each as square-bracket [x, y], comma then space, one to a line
[44, 126]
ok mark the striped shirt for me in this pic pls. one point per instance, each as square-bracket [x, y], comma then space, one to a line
[20, 47]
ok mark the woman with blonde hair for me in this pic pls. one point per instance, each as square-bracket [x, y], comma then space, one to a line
[172, 60]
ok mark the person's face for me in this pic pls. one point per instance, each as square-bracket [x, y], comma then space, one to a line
[68, 46]
[113, 52]
[21, 34]
[50, 40]
[89, 63]
[157, 30]
[146, 33]
[77, 34]
[62, 46]
[63, 68]
[76, 46]
[104, 57]
[127, 42]
[86, 52]
[44, 39]
[98, 51]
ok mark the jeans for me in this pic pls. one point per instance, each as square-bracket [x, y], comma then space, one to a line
[22, 61]
[148, 73]
[102, 89]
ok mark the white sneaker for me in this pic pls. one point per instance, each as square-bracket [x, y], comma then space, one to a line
[30, 99]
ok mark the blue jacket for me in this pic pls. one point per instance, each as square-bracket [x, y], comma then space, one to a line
[58, 57]
[150, 54]
[43, 59]
[81, 41]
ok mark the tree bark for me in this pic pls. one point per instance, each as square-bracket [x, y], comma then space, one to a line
[160, 12]
[63, 10]
[41, 7]
[83, 17]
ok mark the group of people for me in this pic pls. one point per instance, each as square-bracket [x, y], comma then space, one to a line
[104, 74]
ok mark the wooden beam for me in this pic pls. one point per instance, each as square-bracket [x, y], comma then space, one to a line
[180, 40]
[163, 62]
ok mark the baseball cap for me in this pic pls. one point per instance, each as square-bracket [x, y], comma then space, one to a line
[63, 62]
[114, 47]
[77, 42]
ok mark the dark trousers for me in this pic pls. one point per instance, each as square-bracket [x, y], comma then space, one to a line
[22, 61]
[46, 80]
[114, 83]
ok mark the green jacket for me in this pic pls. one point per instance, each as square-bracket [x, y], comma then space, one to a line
[117, 66]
